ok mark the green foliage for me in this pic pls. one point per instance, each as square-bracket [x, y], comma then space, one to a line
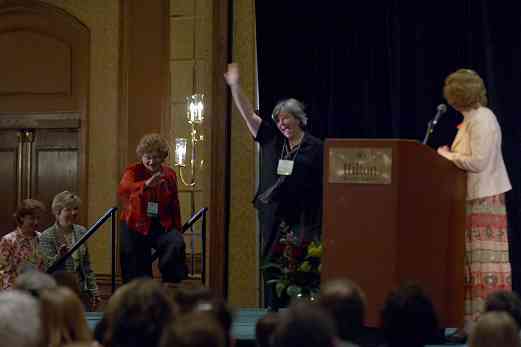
[294, 267]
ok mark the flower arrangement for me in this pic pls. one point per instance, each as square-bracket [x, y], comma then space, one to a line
[294, 267]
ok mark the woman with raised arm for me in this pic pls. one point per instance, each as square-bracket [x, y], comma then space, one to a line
[477, 150]
[289, 196]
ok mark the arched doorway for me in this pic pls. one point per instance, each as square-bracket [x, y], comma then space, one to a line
[43, 105]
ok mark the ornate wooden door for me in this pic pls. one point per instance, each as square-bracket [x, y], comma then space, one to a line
[36, 163]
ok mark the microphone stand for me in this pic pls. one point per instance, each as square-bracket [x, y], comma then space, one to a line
[430, 129]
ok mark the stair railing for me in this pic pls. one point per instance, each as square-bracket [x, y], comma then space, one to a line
[111, 213]
[199, 215]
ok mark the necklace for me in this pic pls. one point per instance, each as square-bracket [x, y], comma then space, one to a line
[297, 143]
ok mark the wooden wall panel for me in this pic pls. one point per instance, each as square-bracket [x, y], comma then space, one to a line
[145, 82]
[45, 59]
[44, 64]
[34, 64]
[55, 165]
[8, 171]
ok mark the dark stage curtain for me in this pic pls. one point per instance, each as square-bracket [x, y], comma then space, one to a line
[375, 69]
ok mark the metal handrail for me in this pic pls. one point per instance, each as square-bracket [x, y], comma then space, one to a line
[111, 212]
[201, 214]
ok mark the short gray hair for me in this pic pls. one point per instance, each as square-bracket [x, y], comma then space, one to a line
[292, 106]
[20, 322]
[34, 281]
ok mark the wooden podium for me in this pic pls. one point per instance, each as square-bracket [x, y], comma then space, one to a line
[394, 211]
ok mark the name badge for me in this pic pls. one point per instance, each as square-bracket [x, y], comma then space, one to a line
[285, 167]
[152, 209]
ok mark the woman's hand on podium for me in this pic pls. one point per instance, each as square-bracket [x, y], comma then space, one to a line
[444, 151]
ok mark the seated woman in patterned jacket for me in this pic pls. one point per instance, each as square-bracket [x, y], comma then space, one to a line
[56, 241]
[19, 248]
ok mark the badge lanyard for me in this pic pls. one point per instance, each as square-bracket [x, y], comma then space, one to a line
[285, 167]
[153, 205]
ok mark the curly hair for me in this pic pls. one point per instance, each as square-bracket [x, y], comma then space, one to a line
[28, 207]
[465, 90]
[152, 143]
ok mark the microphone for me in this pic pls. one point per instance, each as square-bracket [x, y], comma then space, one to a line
[441, 109]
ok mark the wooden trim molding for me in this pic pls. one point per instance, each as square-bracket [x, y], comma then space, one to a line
[41, 121]
[220, 154]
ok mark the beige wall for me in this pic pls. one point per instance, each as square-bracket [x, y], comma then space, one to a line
[243, 258]
[190, 68]
[102, 19]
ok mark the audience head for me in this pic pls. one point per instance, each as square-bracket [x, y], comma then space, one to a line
[33, 282]
[19, 319]
[505, 301]
[218, 309]
[495, 329]
[264, 329]
[28, 213]
[187, 299]
[195, 329]
[346, 303]
[464, 90]
[137, 314]
[69, 280]
[305, 325]
[63, 317]
[292, 107]
[408, 318]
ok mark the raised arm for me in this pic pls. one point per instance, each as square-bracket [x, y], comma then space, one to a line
[244, 105]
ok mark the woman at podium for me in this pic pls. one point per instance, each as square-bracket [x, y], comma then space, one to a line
[289, 196]
[477, 150]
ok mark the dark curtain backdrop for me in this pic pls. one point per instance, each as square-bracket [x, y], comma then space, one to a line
[375, 69]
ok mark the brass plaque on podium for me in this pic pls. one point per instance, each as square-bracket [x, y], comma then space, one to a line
[360, 165]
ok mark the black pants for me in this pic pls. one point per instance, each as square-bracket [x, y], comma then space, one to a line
[136, 253]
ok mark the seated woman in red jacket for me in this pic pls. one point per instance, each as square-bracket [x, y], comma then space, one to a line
[151, 218]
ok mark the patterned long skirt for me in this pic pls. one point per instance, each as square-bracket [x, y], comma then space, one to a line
[487, 266]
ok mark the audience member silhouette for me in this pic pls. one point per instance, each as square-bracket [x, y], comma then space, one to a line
[346, 303]
[195, 329]
[408, 318]
[34, 282]
[20, 324]
[505, 301]
[264, 329]
[495, 329]
[305, 325]
[137, 314]
[63, 317]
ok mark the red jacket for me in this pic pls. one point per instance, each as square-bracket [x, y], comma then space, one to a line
[134, 198]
